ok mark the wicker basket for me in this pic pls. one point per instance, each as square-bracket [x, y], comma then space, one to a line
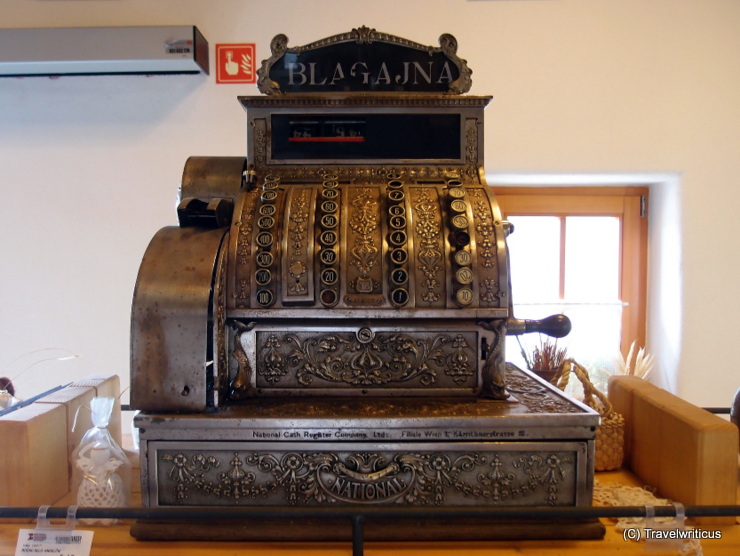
[610, 433]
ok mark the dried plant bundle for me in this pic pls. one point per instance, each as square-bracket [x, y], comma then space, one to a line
[545, 356]
[640, 364]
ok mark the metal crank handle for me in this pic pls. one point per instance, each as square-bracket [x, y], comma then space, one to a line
[557, 326]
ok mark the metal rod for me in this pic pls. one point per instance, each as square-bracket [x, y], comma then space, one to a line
[358, 516]
[29, 401]
[717, 410]
[348, 512]
[358, 522]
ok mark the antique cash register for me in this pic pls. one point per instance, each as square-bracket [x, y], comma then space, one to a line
[326, 325]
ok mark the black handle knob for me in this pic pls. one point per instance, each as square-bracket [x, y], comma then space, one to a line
[557, 326]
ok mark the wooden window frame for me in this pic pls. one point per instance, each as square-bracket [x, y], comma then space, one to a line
[629, 204]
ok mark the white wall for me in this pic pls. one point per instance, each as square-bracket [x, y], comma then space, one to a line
[89, 166]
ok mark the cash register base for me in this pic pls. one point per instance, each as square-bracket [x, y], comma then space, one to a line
[534, 449]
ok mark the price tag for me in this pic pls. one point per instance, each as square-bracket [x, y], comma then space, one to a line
[59, 542]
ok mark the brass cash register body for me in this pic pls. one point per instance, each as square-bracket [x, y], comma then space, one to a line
[326, 325]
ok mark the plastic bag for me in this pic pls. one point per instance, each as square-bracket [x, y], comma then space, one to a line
[103, 467]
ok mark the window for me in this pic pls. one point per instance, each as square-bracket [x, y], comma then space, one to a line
[581, 251]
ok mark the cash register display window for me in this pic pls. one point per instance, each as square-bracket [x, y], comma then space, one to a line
[366, 137]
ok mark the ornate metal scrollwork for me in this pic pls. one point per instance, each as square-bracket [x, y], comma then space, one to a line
[534, 396]
[364, 226]
[486, 248]
[241, 385]
[462, 84]
[430, 253]
[494, 367]
[406, 477]
[242, 271]
[361, 359]
[271, 362]
[297, 250]
[278, 46]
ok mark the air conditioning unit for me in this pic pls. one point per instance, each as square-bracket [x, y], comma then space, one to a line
[102, 50]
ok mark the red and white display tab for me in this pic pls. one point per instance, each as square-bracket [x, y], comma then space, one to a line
[235, 63]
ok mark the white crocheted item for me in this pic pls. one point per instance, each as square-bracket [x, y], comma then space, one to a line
[101, 486]
[618, 494]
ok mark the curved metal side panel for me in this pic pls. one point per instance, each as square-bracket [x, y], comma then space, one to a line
[212, 177]
[170, 320]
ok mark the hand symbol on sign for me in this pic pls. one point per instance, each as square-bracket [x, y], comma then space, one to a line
[232, 68]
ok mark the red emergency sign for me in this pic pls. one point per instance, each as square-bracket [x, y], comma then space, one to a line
[235, 63]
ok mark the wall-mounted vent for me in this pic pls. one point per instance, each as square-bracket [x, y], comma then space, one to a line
[102, 50]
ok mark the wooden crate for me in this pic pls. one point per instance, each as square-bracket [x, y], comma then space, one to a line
[33, 461]
[76, 403]
[688, 454]
[107, 387]
[35, 464]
